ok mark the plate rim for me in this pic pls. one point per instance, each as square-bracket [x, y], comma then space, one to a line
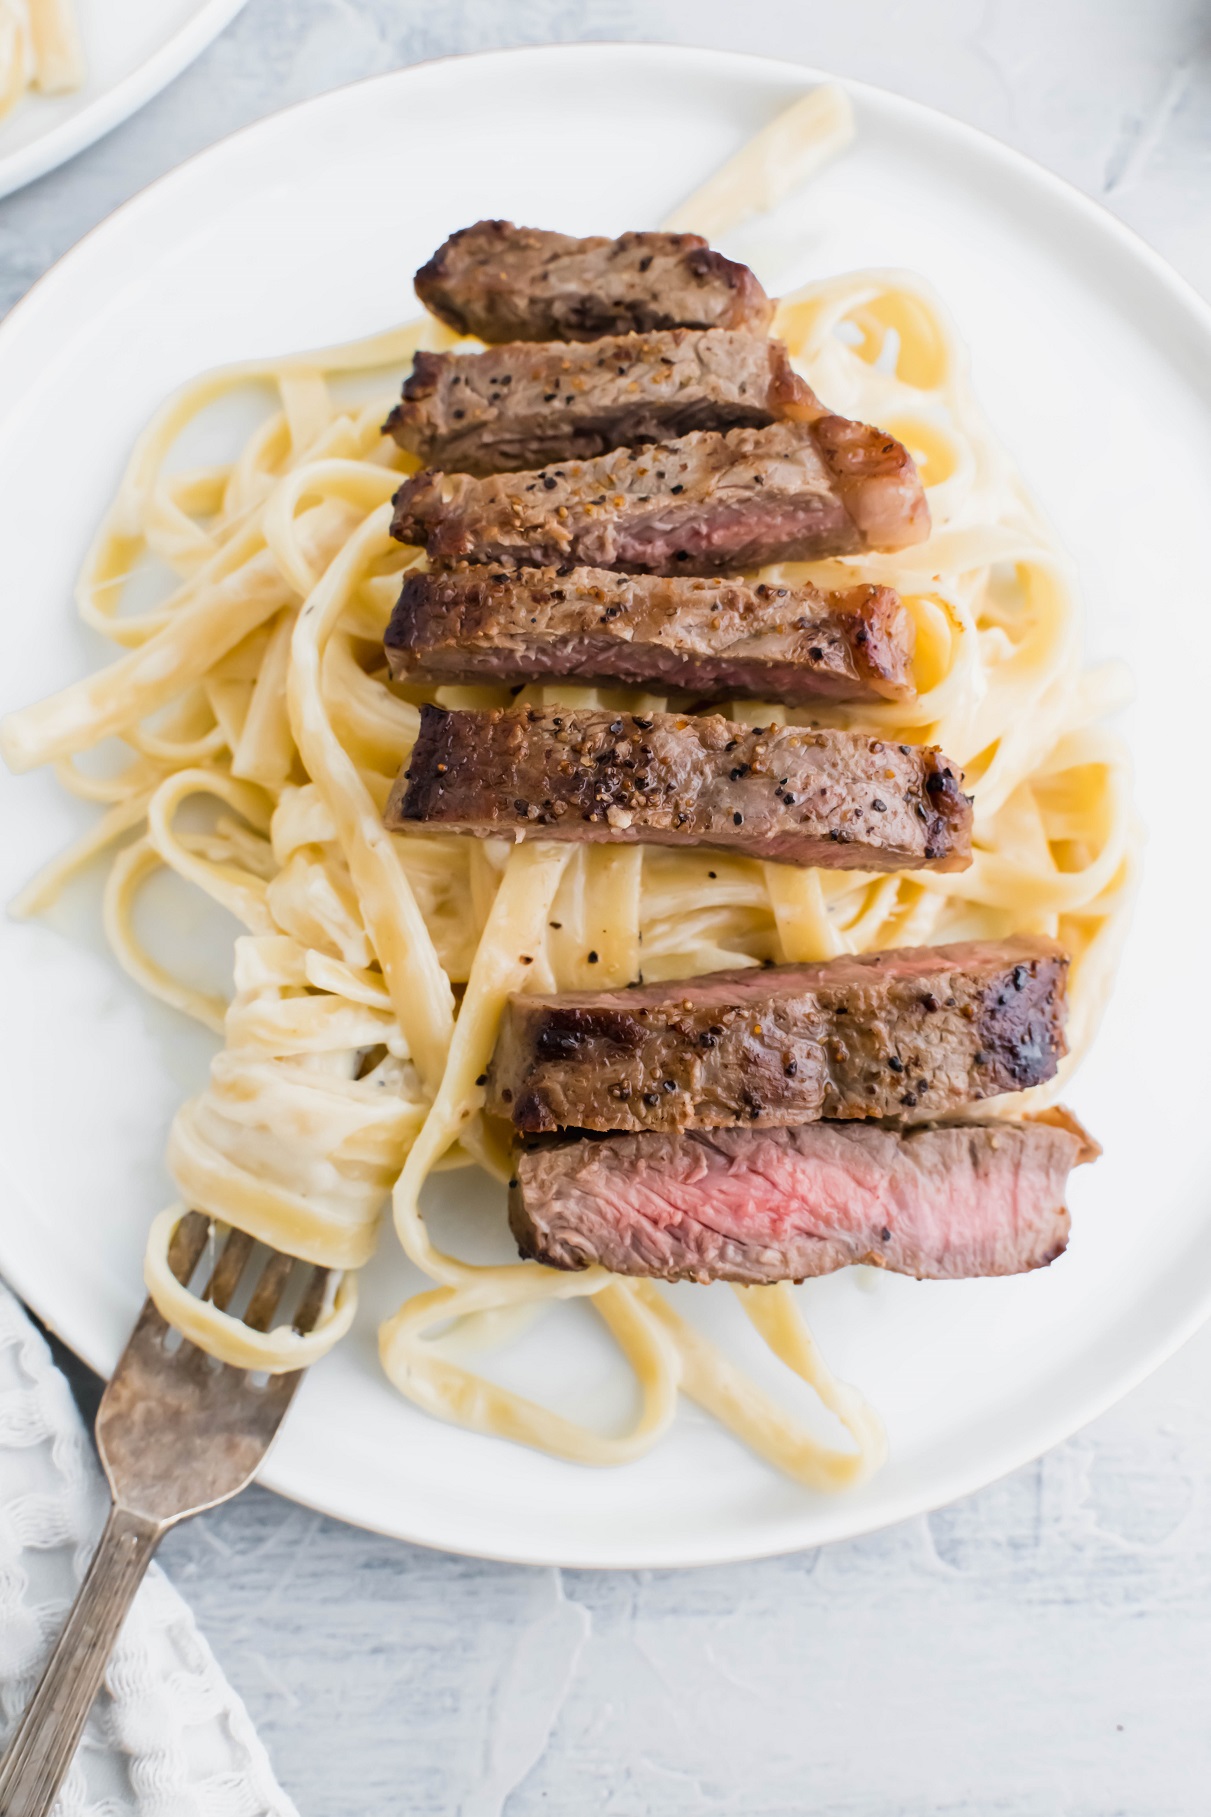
[117, 104]
[1045, 1433]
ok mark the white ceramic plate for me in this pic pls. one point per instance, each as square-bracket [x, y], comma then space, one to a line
[1095, 361]
[133, 49]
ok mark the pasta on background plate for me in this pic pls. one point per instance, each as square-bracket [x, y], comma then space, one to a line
[40, 49]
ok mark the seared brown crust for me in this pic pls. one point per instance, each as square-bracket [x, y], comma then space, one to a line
[951, 1203]
[709, 637]
[506, 283]
[704, 503]
[1058, 1116]
[525, 405]
[842, 800]
[914, 1033]
[877, 480]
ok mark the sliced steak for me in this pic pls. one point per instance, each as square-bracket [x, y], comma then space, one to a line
[914, 1033]
[702, 504]
[507, 283]
[523, 405]
[711, 637]
[839, 799]
[759, 1205]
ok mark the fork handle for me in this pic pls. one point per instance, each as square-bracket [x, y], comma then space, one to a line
[41, 1751]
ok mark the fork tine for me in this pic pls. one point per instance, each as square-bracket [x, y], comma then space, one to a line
[264, 1302]
[312, 1301]
[188, 1242]
[230, 1266]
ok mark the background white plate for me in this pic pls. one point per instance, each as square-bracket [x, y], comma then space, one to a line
[133, 49]
[1094, 360]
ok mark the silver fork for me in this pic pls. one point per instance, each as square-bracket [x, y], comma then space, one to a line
[177, 1433]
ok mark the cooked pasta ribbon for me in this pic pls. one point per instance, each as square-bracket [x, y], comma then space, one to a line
[40, 48]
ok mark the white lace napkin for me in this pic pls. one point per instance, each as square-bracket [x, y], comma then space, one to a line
[168, 1736]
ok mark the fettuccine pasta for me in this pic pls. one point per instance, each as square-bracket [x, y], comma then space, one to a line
[39, 49]
[263, 734]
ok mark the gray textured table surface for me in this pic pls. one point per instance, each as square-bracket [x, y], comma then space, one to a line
[1042, 1648]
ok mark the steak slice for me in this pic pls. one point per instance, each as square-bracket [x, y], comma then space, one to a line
[507, 283]
[523, 405]
[759, 1205]
[914, 1033]
[839, 799]
[711, 637]
[701, 504]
